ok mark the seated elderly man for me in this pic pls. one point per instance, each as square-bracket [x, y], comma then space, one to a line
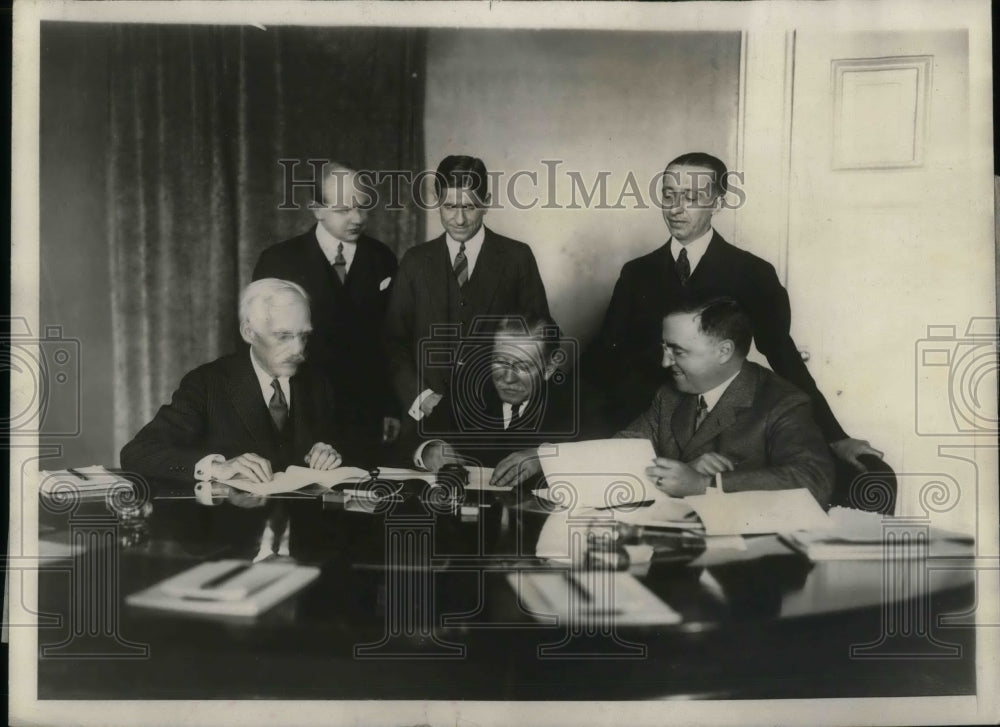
[726, 422]
[248, 414]
[503, 406]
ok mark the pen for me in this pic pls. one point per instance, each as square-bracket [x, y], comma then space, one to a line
[77, 473]
[226, 575]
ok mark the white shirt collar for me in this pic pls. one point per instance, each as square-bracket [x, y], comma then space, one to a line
[265, 379]
[329, 244]
[712, 396]
[508, 409]
[472, 247]
[695, 248]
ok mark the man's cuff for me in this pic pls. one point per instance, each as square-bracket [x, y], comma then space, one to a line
[203, 466]
[418, 456]
[415, 411]
[718, 482]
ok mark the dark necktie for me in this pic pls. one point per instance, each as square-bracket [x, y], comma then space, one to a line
[340, 263]
[701, 413]
[461, 265]
[515, 415]
[683, 267]
[277, 406]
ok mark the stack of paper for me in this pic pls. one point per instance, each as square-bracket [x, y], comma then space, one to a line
[758, 511]
[226, 588]
[590, 597]
[600, 473]
[85, 483]
[859, 535]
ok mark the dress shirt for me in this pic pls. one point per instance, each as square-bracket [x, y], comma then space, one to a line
[472, 247]
[695, 248]
[508, 412]
[328, 243]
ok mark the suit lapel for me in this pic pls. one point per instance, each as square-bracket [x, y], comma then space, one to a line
[682, 420]
[487, 273]
[437, 266]
[710, 260]
[325, 284]
[244, 389]
[737, 397]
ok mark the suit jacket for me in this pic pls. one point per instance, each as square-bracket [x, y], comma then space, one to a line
[473, 425]
[762, 423]
[426, 296]
[346, 317]
[624, 360]
[219, 409]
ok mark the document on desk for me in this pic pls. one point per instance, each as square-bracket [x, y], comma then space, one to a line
[602, 472]
[758, 512]
[295, 478]
[86, 482]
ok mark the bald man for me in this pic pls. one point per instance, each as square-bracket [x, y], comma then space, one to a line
[348, 276]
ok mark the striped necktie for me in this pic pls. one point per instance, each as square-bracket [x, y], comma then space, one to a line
[683, 267]
[277, 406]
[701, 413]
[461, 265]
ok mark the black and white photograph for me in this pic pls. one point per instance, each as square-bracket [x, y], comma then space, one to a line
[490, 363]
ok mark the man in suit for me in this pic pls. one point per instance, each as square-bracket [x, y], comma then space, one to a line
[696, 262]
[347, 275]
[519, 401]
[248, 414]
[726, 422]
[445, 286]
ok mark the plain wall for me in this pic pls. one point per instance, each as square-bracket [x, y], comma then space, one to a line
[614, 101]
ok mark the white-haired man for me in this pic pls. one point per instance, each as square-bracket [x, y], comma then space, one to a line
[248, 414]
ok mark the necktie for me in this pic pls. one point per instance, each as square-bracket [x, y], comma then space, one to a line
[515, 414]
[683, 267]
[277, 406]
[461, 265]
[340, 263]
[702, 412]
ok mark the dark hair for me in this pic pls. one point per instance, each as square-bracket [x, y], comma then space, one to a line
[700, 159]
[722, 319]
[540, 328]
[461, 172]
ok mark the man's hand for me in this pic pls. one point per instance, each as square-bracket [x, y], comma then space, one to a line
[676, 478]
[437, 454]
[323, 457]
[516, 468]
[390, 429]
[248, 466]
[850, 449]
[428, 404]
[711, 463]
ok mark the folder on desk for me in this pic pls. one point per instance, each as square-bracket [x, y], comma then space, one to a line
[86, 483]
[226, 588]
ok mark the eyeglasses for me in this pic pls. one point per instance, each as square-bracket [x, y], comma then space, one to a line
[693, 198]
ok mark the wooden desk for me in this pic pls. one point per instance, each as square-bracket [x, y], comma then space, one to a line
[763, 623]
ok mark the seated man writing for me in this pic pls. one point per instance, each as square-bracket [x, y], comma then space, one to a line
[504, 406]
[727, 422]
[248, 414]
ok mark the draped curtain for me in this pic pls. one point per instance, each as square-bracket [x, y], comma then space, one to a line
[199, 118]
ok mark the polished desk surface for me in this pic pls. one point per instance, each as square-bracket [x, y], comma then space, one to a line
[759, 623]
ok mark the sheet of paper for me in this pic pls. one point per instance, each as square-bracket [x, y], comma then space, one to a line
[479, 479]
[295, 478]
[760, 511]
[600, 472]
[94, 477]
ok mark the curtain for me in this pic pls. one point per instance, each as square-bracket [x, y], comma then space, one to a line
[199, 118]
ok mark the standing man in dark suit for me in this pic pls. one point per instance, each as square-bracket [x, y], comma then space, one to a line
[501, 419]
[249, 414]
[696, 263]
[348, 277]
[725, 422]
[445, 285]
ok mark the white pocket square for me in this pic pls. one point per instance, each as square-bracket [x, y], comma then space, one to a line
[384, 284]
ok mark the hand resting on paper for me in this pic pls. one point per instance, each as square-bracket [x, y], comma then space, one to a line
[676, 478]
[247, 466]
[516, 468]
[323, 457]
